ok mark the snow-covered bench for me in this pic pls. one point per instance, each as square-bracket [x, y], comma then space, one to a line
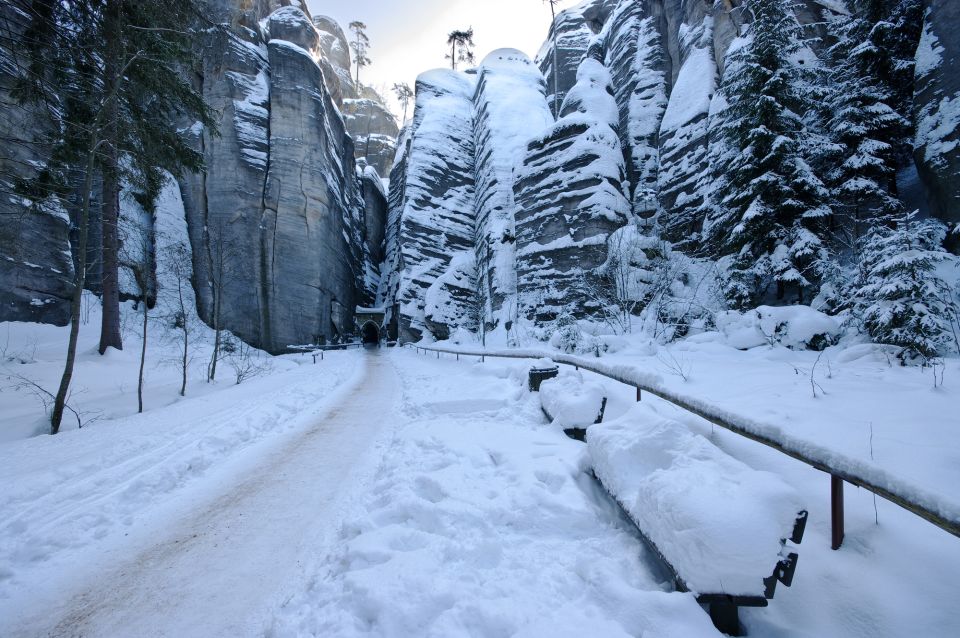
[720, 526]
[572, 403]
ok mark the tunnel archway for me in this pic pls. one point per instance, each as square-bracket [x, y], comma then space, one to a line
[370, 333]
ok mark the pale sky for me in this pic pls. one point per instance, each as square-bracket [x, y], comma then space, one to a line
[409, 36]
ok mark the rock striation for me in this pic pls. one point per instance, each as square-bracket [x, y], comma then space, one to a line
[509, 103]
[432, 215]
[571, 195]
[937, 143]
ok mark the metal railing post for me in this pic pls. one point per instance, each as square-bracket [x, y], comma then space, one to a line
[836, 511]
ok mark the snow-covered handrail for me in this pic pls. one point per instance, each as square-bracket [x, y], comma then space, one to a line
[925, 504]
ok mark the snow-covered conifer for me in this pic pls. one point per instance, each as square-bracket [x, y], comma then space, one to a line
[864, 129]
[901, 299]
[769, 209]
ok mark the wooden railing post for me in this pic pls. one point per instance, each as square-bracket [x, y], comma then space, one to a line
[638, 393]
[836, 511]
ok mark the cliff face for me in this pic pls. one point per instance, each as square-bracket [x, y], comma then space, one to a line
[286, 233]
[626, 138]
[937, 143]
[278, 222]
[366, 116]
[36, 267]
[432, 217]
[509, 103]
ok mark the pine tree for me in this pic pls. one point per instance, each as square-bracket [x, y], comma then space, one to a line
[864, 129]
[900, 298]
[890, 50]
[404, 95]
[118, 86]
[360, 47]
[770, 210]
[463, 40]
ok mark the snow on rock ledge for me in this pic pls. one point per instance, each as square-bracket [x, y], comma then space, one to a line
[716, 520]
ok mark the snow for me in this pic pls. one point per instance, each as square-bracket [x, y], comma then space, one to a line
[772, 396]
[470, 514]
[481, 521]
[695, 85]
[795, 327]
[929, 51]
[572, 402]
[718, 522]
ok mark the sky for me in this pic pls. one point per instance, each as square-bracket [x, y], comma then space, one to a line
[409, 36]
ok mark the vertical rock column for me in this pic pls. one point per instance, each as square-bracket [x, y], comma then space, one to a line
[571, 196]
[311, 250]
[639, 67]
[432, 196]
[510, 107]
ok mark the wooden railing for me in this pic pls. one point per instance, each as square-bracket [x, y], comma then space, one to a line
[928, 506]
[315, 350]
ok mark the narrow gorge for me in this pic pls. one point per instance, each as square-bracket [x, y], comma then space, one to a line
[494, 203]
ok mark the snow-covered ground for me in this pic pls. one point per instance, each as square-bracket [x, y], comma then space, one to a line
[395, 494]
[892, 578]
[482, 521]
[75, 503]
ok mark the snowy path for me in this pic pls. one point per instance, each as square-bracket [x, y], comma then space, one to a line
[219, 570]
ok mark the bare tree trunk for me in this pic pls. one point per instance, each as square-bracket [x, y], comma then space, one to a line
[186, 339]
[76, 302]
[217, 303]
[453, 55]
[143, 347]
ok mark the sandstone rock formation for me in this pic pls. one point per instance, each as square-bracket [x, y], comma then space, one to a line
[36, 267]
[571, 195]
[938, 109]
[509, 103]
[431, 196]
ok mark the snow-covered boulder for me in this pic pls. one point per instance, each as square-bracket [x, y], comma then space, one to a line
[796, 327]
[717, 521]
[572, 402]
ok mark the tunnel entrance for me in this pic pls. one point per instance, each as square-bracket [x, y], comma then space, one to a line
[371, 334]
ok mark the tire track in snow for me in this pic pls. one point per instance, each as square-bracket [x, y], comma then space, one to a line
[219, 570]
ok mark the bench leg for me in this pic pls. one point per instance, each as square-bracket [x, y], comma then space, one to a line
[726, 618]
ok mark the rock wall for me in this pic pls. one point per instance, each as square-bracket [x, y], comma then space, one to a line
[509, 103]
[281, 206]
[366, 115]
[432, 215]
[571, 195]
[36, 267]
[937, 141]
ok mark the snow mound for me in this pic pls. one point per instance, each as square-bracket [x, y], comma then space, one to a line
[716, 520]
[796, 327]
[572, 402]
